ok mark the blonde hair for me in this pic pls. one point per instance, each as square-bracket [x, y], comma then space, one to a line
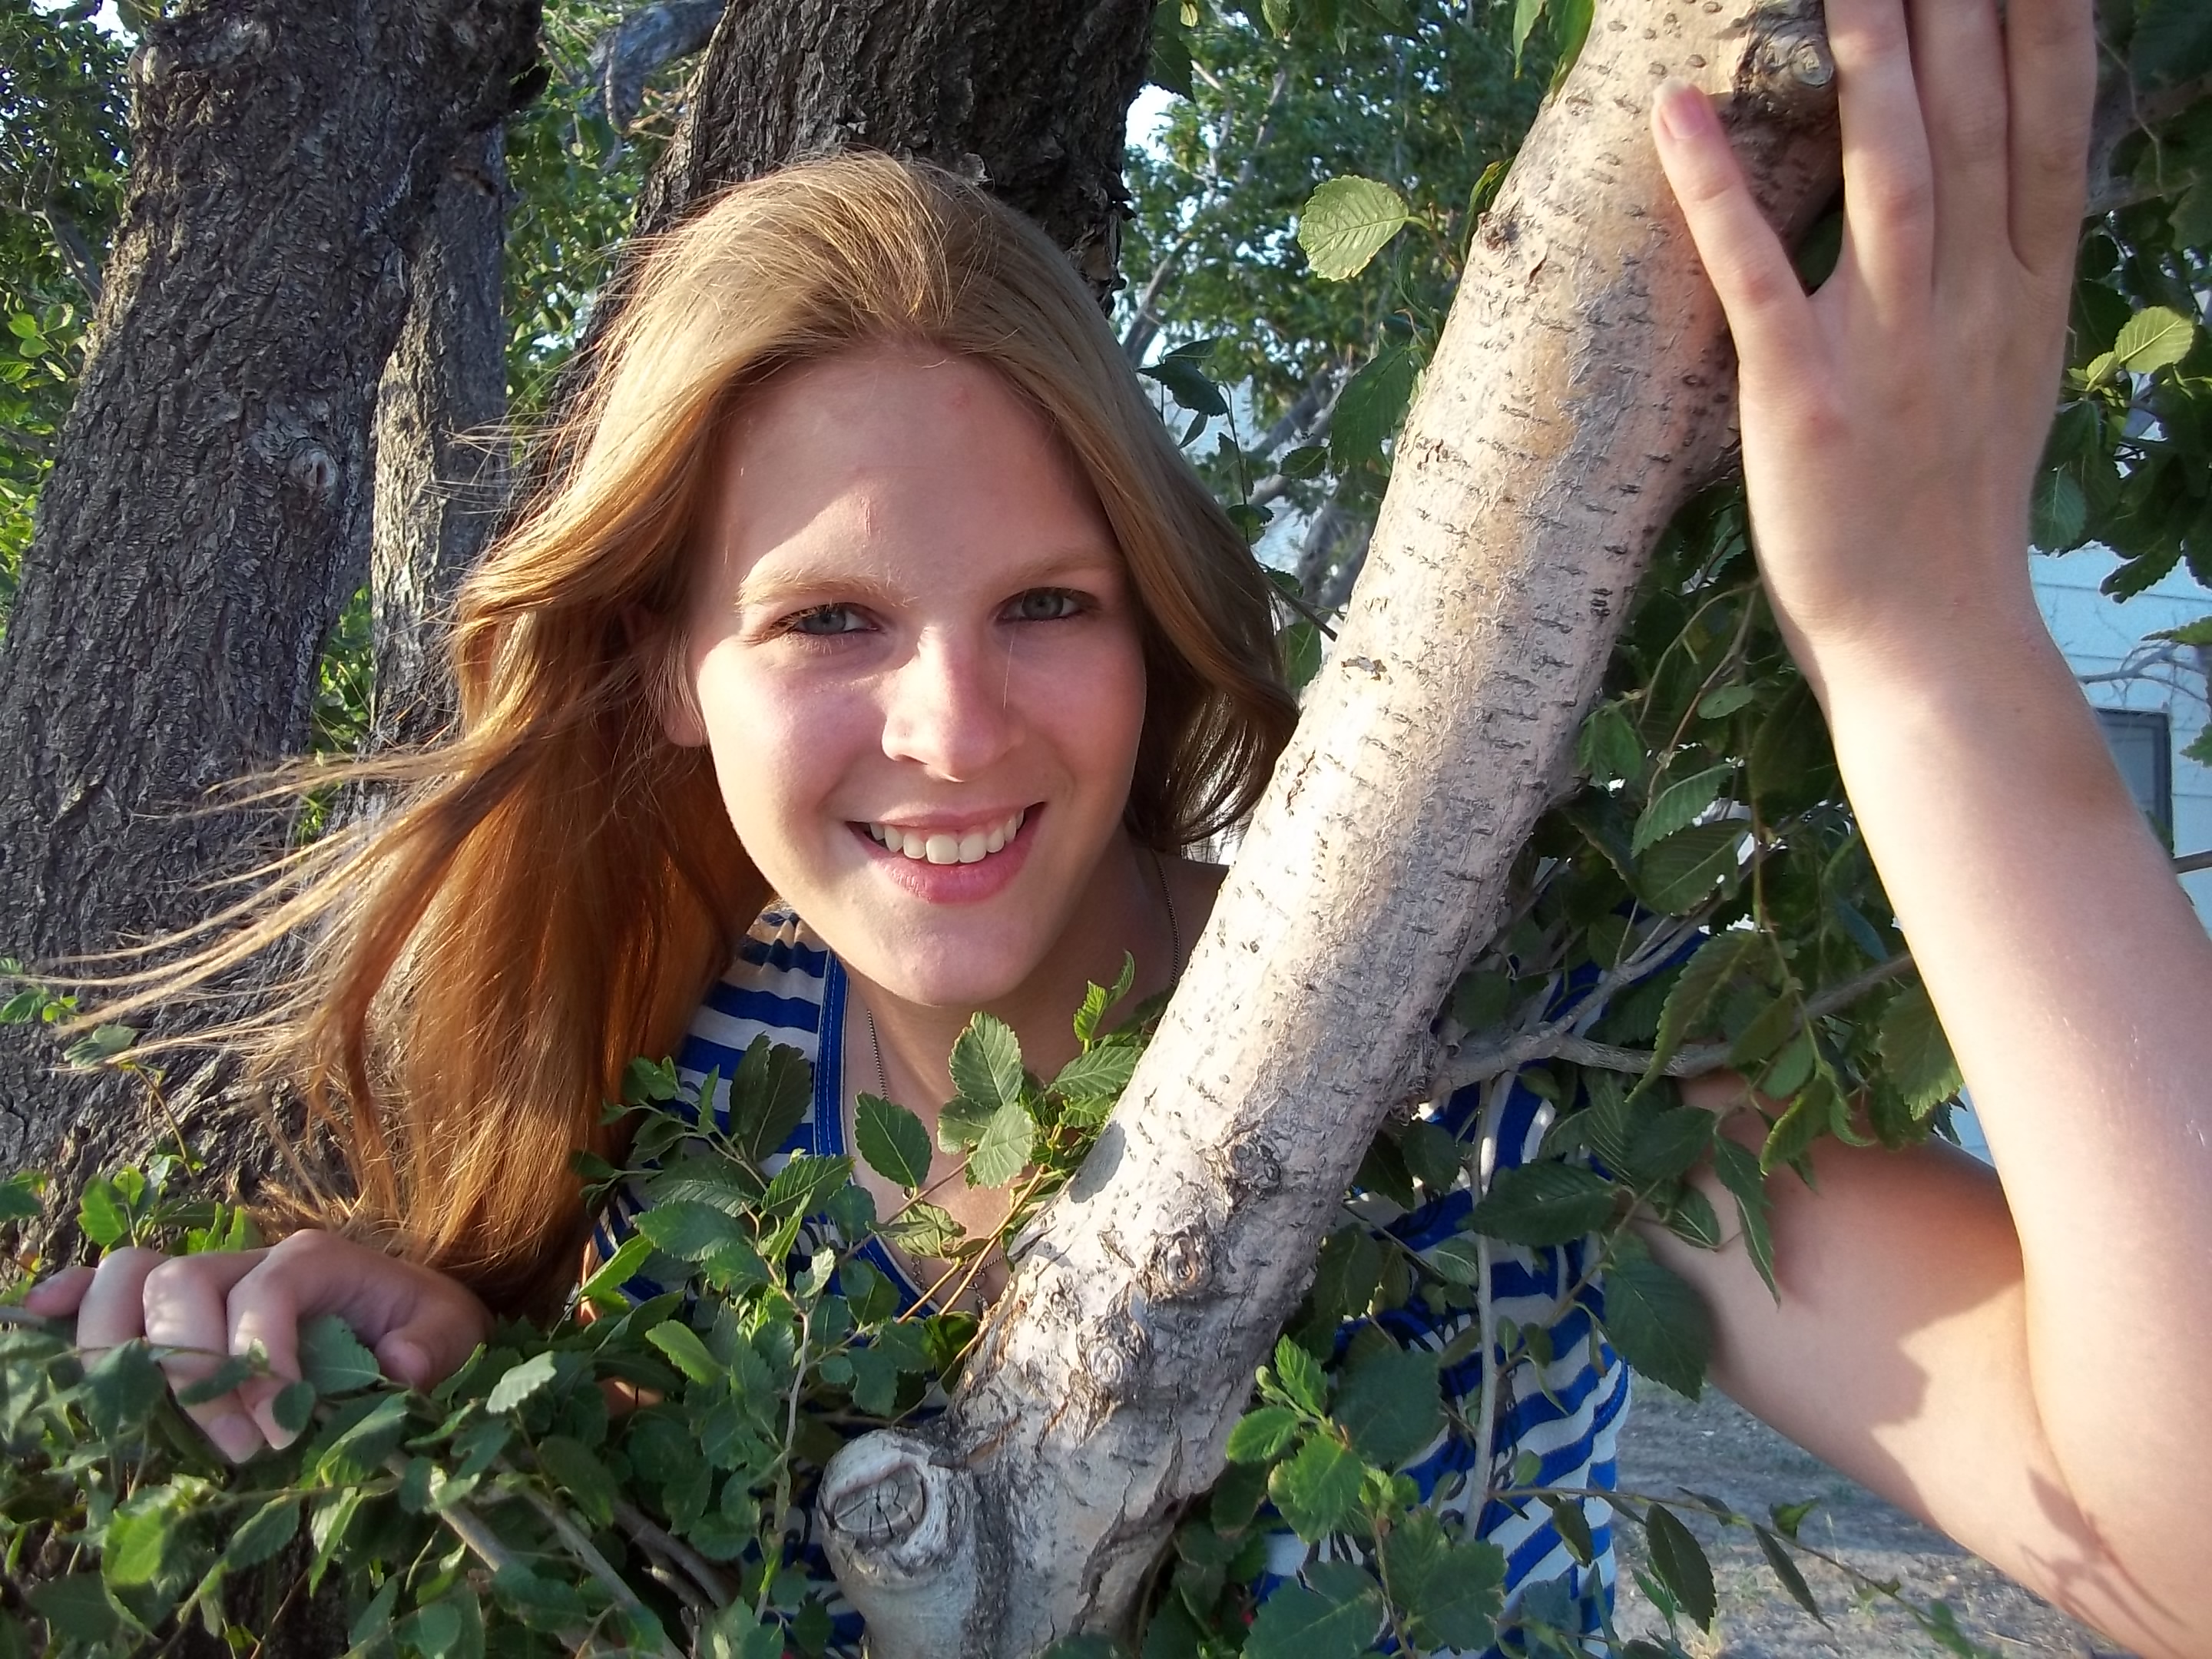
[556, 883]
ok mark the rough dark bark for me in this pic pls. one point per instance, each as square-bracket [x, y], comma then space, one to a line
[208, 515]
[624, 59]
[1030, 96]
[441, 460]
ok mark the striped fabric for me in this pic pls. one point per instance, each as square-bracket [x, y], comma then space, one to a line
[786, 984]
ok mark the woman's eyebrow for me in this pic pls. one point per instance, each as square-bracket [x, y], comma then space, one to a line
[826, 580]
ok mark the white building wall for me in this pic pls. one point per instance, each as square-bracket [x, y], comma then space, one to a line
[2100, 636]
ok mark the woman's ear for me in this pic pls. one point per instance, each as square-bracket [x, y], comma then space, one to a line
[659, 650]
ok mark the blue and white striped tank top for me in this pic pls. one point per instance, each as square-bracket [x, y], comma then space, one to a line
[1565, 1413]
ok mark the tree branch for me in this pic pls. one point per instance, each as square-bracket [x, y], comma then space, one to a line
[624, 59]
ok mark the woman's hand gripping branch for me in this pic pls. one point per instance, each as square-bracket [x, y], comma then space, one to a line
[2024, 1365]
[420, 1324]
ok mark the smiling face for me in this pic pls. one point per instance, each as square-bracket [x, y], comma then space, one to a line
[917, 660]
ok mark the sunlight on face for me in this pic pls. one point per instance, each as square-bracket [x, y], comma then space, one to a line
[917, 661]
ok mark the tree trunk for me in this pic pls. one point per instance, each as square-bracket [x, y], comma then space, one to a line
[209, 515]
[440, 458]
[1582, 389]
[1031, 97]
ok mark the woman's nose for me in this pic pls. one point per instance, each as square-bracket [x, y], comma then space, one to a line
[949, 706]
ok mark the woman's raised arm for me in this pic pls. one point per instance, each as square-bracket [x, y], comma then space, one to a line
[2027, 1365]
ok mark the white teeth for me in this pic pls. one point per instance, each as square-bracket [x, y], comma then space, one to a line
[943, 848]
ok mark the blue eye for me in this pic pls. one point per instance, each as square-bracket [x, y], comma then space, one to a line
[1046, 605]
[825, 621]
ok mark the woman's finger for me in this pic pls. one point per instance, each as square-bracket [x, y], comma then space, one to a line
[1889, 196]
[2051, 52]
[1958, 61]
[186, 1303]
[114, 1308]
[58, 1295]
[1766, 308]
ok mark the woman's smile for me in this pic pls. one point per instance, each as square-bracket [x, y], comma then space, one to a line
[950, 861]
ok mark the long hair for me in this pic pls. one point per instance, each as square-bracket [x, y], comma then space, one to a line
[555, 882]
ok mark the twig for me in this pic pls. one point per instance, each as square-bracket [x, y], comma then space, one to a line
[1556, 1041]
[642, 1527]
[585, 1551]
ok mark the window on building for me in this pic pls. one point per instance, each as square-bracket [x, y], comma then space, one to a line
[2143, 743]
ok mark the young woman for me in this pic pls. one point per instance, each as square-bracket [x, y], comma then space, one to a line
[868, 579]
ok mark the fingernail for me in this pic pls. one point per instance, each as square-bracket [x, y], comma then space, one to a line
[234, 1437]
[1684, 112]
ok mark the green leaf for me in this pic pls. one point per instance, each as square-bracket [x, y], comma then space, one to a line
[986, 1064]
[101, 1215]
[1786, 1569]
[2060, 512]
[1097, 999]
[1261, 1435]
[691, 1231]
[2153, 338]
[1317, 1489]
[541, 1603]
[1100, 1074]
[1705, 976]
[571, 1466]
[1723, 700]
[1526, 13]
[1692, 1218]
[1186, 384]
[768, 1097]
[77, 1608]
[683, 1347]
[1738, 1170]
[1345, 1276]
[19, 1196]
[122, 1389]
[1448, 1594]
[139, 1540]
[603, 1288]
[1005, 1147]
[1346, 222]
[332, 1357]
[1665, 1145]
[1169, 68]
[804, 1182]
[1455, 1259]
[520, 1382]
[892, 1142]
[1915, 1055]
[1680, 874]
[1388, 1405]
[1607, 748]
[1679, 1561]
[1658, 1322]
[1677, 806]
[217, 1382]
[266, 1531]
[1299, 1375]
[1278, 16]
[1544, 1204]
[2173, 41]
[1333, 1614]
[1372, 407]
[359, 1451]
[292, 1406]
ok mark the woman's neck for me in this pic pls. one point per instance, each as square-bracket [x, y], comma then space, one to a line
[1129, 911]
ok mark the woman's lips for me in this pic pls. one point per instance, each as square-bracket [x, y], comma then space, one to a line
[946, 879]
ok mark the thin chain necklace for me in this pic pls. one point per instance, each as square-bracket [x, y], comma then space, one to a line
[1175, 970]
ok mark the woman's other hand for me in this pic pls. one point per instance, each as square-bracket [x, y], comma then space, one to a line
[420, 1324]
[1892, 421]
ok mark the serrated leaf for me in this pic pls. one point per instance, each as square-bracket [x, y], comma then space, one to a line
[1526, 13]
[1346, 222]
[1456, 1260]
[603, 1288]
[986, 1064]
[1692, 1219]
[1372, 407]
[1658, 1322]
[1185, 382]
[2173, 41]
[1262, 1435]
[768, 1096]
[2059, 513]
[77, 1608]
[1664, 1145]
[520, 1382]
[1607, 748]
[892, 1142]
[266, 1531]
[217, 1382]
[1778, 1557]
[1333, 1614]
[1449, 1593]
[1723, 700]
[691, 1231]
[922, 1229]
[122, 1389]
[1097, 999]
[683, 1347]
[1388, 1405]
[1677, 806]
[1702, 978]
[1679, 1561]
[1738, 1170]
[575, 1469]
[1680, 874]
[101, 1215]
[1299, 1375]
[332, 1357]
[1005, 1147]
[138, 1543]
[19, 1196]
[292, 1406]
[1544, 1204]
[802, 1184]
[357, 1452]
[1101, 1073]
[2155, 338]
[1317, 1489]
[1915, 1053]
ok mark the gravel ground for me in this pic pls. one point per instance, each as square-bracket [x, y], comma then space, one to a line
[1718, 1449]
